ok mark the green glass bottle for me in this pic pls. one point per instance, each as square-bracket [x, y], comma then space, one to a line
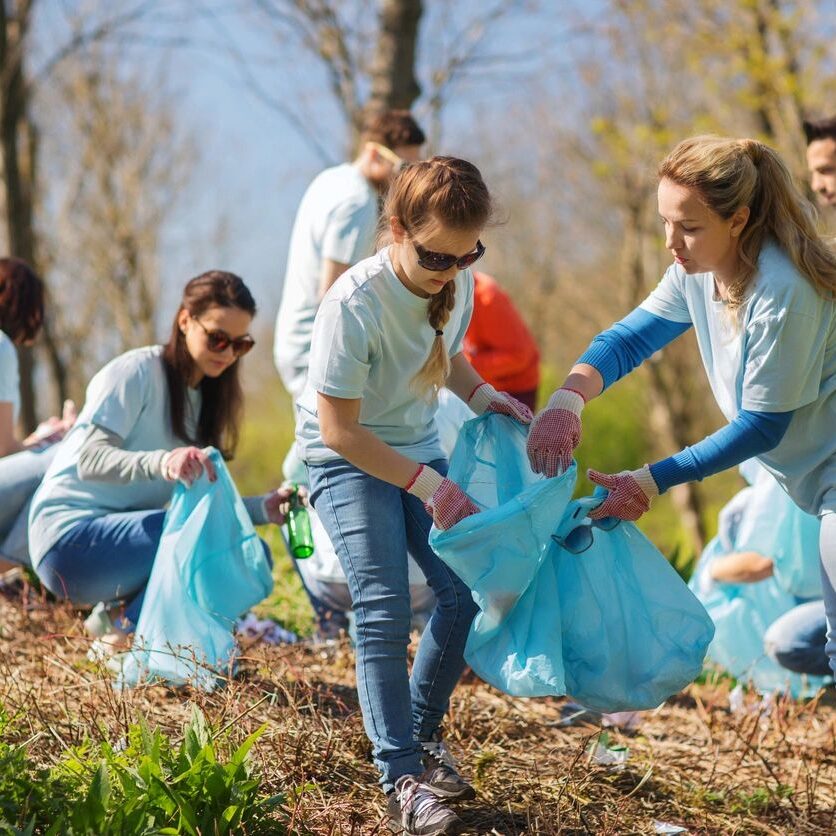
[299, 535]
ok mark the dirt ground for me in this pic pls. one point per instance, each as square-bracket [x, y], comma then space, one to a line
[691, 762]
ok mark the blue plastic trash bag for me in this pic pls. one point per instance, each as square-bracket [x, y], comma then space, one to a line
[210, 568]
[600, 615]
[743, 612]
[776, 527]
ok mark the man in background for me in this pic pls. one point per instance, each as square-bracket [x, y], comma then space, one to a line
[821, 159]
[335, 228]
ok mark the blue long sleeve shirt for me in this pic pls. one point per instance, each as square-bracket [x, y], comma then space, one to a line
[628, 343]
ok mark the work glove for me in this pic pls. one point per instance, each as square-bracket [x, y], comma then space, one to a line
[630, 493]
[444, 500]
[555, 433]
[484, 398]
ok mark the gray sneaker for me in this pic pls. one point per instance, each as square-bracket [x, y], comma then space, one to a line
[415, 811]
[441, 774]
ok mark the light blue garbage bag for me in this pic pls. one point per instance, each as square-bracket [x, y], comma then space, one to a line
[743, 612]
[614, 626]
[210, 568]
[776, 527]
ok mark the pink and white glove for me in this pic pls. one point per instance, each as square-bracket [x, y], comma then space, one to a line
[555, 433]
[444, 500]
[631, 493]
[484, 398]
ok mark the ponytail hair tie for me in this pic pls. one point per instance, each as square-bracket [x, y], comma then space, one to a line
[439, 332]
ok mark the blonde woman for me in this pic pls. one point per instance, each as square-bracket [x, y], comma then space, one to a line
[387, 336]
[758, 284]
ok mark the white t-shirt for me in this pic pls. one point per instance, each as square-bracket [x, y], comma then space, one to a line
[9, 375]
[781, 357]
[336, 220]
[129, 397]
[371, 337]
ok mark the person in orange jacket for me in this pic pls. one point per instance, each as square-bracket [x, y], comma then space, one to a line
[498, 343]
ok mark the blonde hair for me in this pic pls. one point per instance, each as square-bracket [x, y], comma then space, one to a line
[449, 192]
[731, 173]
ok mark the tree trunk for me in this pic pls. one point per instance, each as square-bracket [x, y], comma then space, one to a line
[393, 72]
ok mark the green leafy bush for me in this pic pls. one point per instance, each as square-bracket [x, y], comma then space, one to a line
[145, 786]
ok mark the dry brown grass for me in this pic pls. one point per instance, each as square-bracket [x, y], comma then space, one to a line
[693, 763]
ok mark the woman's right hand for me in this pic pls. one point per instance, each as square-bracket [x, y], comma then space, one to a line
[555, 433]
[187, 464]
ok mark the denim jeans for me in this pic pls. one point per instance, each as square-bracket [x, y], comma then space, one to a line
[796, 639]
[373, 525]
[331, 603]
[105, 559]
[828, 572]
[20, 475]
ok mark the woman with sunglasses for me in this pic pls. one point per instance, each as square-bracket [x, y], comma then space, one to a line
[97, 518]
[386, 337]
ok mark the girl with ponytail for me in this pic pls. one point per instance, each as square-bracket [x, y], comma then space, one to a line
[758, 284]
[387, 336]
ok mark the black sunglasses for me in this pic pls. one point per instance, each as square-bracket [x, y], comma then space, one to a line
[437, 262]
[219, 341]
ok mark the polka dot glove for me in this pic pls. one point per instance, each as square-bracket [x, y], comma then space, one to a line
[444, 500]
[631, 493]
[555, 433]
[485, 398]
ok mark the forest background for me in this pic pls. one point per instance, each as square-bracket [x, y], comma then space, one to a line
[144, 142]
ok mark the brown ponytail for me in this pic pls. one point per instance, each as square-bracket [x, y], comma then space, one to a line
[450, 192]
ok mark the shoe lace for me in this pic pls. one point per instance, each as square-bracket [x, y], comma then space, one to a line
[415, 798]
[439, 752]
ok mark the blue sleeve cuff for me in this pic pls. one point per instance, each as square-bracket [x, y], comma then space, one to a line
[750, 434]
[628, 343]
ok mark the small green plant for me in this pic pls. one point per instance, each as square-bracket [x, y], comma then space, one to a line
[145, 786]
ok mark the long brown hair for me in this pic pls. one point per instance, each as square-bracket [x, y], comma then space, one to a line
[450, 192]
[21, 301]
[731, 173]
[222, 398]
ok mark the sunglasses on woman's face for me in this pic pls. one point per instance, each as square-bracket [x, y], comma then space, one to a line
[218, 341]
[438, 262]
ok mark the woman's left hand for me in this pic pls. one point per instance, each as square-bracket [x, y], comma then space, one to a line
[630, 493]
[485, 398]
[277, 503]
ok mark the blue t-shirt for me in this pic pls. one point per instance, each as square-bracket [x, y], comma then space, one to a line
[778, 356]
[336, 220]
[9, 375]
[370, 338]
[129, 397]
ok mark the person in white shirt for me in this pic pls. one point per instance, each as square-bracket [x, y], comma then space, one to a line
[387, 337]
[97, 518]
[335, 226]
[22, 463]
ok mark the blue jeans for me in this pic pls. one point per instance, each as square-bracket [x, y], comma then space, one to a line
[105, 559]
[20, 475]
[827, 548]
[373, 525]
[796, 639]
